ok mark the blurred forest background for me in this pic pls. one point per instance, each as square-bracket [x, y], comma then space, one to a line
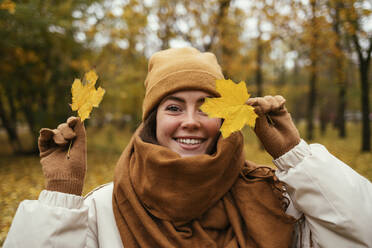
[316, 53]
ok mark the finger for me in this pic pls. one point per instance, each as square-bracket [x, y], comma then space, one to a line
[262, 106]
[273, 104]
[46, 134]
[281, 100]
[266, 104]
[270, 104]
[256, 102]
[72, 120]
[78, 127]
[58, 138]
[45, 139]
[66, 131]
[278, 106]
[251, 101]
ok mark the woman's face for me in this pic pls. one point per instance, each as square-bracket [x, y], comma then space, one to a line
[183, 127]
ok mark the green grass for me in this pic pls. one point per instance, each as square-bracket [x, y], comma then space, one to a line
[21, 177]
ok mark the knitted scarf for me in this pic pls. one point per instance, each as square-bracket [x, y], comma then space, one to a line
[218, 200]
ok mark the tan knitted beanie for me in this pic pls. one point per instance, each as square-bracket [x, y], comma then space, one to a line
[178, 69]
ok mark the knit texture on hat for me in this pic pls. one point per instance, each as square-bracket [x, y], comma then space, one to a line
[178, 69]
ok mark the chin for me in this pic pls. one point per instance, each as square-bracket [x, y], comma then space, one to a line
[187, 155]
[183, 154]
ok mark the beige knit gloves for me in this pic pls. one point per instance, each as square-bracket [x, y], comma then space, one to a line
[61, 173]
[274, 126]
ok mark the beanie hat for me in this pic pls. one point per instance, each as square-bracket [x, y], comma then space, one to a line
[178, 69]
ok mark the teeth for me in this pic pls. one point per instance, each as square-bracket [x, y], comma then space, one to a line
[190, 141]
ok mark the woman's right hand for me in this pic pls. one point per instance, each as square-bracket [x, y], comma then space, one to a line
[280, 135]
[64, 172]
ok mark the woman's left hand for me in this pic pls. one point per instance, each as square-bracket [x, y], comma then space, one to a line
[274, 125]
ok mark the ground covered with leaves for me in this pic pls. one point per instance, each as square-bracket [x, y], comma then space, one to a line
[21, 177]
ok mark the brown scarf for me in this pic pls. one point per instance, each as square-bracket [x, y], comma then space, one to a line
[163, 200]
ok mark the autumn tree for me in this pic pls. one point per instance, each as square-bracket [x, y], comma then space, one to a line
[202, 21]
[314, 28]
[313, 36]
[121, 60]
[214, 26]
[227, 40]
[261, 12]
[336, 7]
[356, 13]
[167, 13]
[37, 48]
[276, 35]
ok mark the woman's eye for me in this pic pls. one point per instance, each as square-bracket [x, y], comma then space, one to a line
[173, 108]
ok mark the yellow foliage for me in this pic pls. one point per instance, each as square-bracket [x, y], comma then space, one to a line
[8, 5]
[32, 57]
[6, 68]
[20, 55]
[85, 97]
[80, 64]
[230, 106]
[24, 56]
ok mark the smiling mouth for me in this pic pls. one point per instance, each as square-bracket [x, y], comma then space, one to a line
[189, 141]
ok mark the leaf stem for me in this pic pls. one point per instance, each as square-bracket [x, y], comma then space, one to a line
[271, 122]
[69, 148]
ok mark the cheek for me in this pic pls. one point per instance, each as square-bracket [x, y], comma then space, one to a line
[165, 127]
[213, 126]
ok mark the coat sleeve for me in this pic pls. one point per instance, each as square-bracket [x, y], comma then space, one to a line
[335, 200]
[54, 220]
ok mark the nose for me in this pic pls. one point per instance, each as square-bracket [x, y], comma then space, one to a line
[191, 121]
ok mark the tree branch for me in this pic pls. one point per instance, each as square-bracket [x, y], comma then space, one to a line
[224, 5]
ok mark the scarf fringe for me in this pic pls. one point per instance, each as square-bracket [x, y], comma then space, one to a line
[266, 173]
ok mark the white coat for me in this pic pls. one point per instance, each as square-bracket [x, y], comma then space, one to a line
[333, 202]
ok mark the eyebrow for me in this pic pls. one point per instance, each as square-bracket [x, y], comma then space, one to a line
[174, 98]
[178, 99]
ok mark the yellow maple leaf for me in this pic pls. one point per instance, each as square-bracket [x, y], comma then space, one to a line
[230, 106]
[86, 96]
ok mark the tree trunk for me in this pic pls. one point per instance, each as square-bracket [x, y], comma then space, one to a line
[366, 129]
[11, 129]
[165, 38]
[29, 116]
[25, 106]
[324, 120]
[364, 63]
[340, 119]
[259, 54]
[341, 81]
[313, 77]
[222, 12]
[259, 68]
[311, 103]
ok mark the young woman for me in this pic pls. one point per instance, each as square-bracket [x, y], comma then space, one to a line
[180, 184]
